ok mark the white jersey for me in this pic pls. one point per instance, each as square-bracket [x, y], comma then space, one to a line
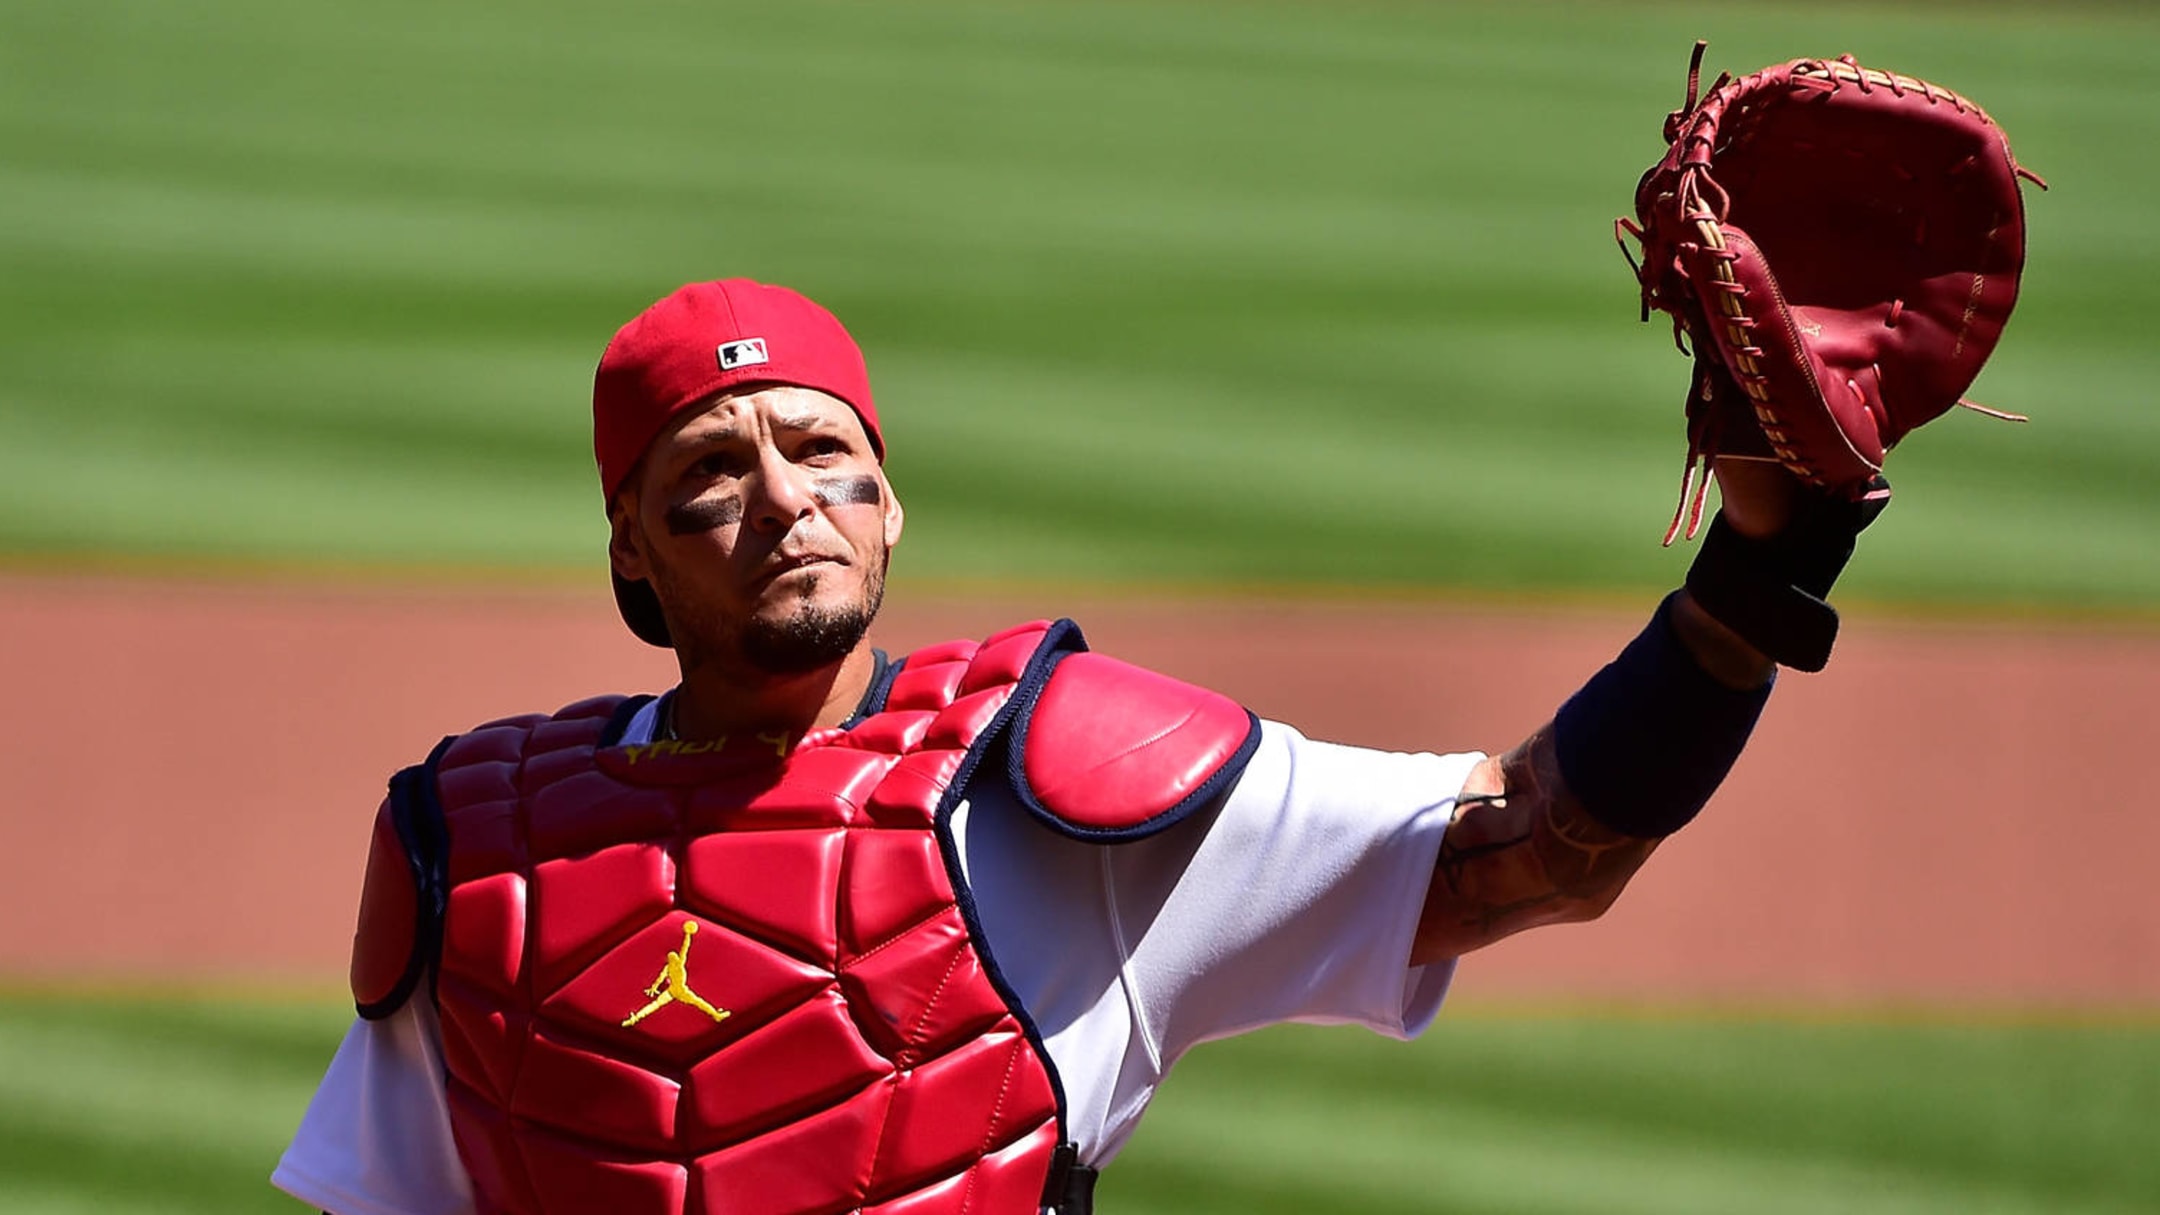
[1296, 899]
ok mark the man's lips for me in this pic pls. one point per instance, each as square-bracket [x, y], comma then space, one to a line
[788, 565]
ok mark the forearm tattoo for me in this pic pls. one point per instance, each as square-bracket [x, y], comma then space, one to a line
[1521, 857]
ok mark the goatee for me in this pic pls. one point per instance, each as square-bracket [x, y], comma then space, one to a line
[808, 640]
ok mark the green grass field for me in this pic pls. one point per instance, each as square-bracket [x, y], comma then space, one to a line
[1162, 293]
[1280, 293]
[161, 1106]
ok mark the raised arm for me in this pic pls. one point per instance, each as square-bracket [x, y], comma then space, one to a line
[1523, 850]
[1551, 831]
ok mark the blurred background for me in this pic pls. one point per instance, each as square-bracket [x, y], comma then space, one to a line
[1295, 313]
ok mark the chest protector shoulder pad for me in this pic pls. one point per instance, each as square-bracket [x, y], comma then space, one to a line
[737, 976]
[1110, 751]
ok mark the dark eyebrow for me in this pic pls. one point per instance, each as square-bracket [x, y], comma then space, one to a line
[720, 436]
[803, 421]
[798, 423]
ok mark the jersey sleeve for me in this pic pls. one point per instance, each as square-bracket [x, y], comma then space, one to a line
[1294, 896]
[1298, 900]
[376, 1137]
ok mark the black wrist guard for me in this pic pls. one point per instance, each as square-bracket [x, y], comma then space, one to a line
[1646, 742]
[1775, 592]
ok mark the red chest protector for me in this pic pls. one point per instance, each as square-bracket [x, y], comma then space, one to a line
[737, 978]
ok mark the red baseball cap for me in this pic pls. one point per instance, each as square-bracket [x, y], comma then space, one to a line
[700, 340]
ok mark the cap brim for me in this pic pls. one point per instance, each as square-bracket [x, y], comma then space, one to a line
[640, 610]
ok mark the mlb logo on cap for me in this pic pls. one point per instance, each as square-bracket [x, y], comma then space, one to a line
[747, 352]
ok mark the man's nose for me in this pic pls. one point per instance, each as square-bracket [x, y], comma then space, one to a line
[783, 495]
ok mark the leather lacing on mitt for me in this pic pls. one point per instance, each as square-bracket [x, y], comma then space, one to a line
[1839, 249]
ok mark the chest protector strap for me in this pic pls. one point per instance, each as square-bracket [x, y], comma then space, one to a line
[401, 896]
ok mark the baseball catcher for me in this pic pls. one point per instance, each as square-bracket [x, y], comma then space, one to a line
[821, 929]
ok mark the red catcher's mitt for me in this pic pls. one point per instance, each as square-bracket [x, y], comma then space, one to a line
[1842, 246]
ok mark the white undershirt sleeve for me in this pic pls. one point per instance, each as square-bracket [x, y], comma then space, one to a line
[376, 1138]
[1296, 898]
[1301, 900]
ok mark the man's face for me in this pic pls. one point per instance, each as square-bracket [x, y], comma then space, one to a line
[763, 522]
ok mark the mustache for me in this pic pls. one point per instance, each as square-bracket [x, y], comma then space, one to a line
[705, 514]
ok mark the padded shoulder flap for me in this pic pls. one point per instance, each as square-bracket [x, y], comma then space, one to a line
[406, 890]
[402, 896]
[1109, 751]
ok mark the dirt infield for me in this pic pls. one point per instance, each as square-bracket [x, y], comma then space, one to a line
[1949, 814]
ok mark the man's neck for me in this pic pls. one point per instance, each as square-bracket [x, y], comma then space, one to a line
[713, 702]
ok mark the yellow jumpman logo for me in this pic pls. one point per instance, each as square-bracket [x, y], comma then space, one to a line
[674, 984]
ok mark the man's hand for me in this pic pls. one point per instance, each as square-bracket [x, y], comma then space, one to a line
[1758, 496]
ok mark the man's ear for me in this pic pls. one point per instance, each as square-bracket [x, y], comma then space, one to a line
[895, 516]
[626, 541]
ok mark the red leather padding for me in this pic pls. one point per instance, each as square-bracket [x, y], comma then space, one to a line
[866, 1057]
[387, 937]
[1112, 750]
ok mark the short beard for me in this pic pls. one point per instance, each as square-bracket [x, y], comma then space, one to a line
[809, 639]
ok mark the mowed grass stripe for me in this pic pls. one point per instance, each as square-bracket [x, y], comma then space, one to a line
[299, 283]
[1586, 1114]
[154, 1102]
